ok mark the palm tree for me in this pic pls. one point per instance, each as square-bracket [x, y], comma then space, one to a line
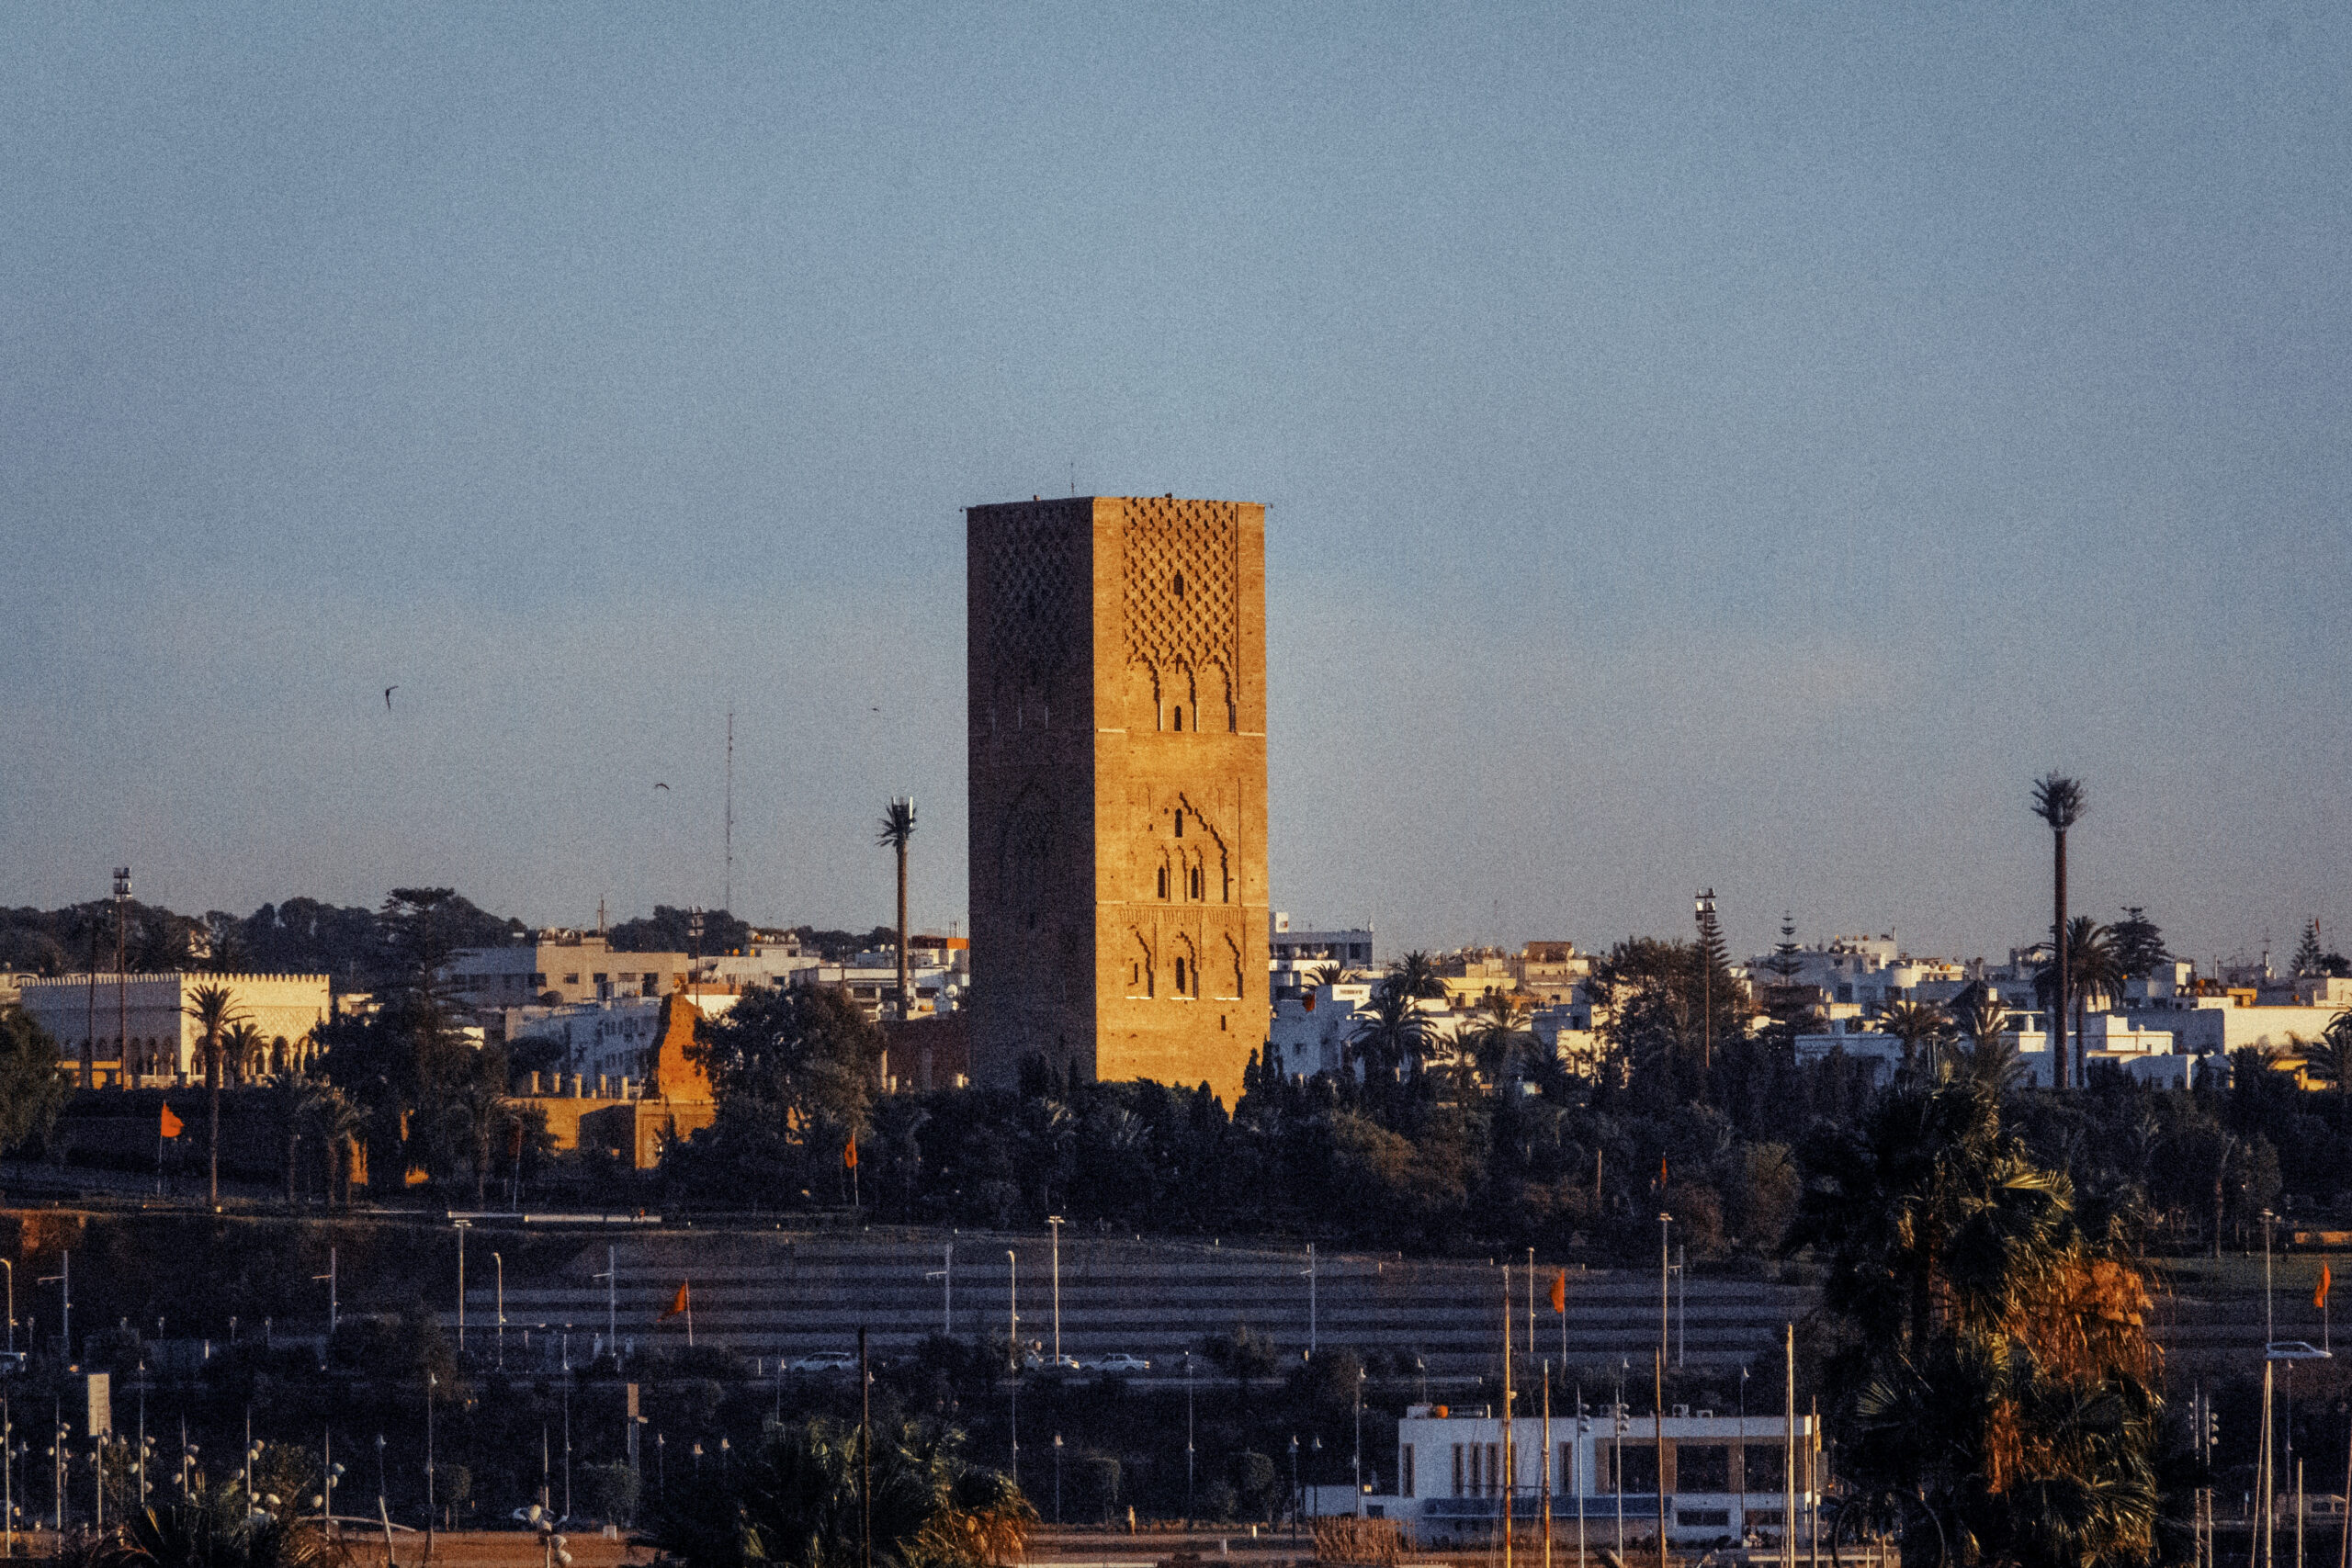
[1397, 1034]
[481, 1107]
[829, 1496]
[291, 1097]
[897, 828]
[2059, 801]
[1915, 1024]
[214, 1010]
[2098, 965]
[1991, 1059]
[242, 1050]
[338, 1125]
[2329, 1059]
[1415, 975]
[1500, 1034]
[1325, 974]
[1999, 1380]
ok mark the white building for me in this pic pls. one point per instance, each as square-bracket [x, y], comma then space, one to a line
[1725, 1476]
[2112, 1039]
[144, 1017]
[560, 968]
[1348, 946]
[1313, 1026]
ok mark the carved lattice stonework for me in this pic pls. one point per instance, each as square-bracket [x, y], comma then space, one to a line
[1183, 564]
[1032, 574]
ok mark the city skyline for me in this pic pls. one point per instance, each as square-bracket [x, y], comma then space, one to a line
[1794, 434]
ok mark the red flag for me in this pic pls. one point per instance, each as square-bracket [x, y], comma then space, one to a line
[1560, 1292]
[2319, 1297]
[849, 1151]
[171, 1125]
[677, 1303]
[1662, 1173]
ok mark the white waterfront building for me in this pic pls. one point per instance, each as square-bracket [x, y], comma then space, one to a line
[1727, 1477]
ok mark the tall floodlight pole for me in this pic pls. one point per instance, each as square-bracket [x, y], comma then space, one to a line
[1665, 1272]
[1012, 1350]
[1789, 1462]
[121, 984]
[498, 1267]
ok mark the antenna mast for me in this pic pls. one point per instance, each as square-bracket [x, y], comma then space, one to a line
[727, 902]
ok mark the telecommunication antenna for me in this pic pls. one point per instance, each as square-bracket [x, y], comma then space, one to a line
[727, 899]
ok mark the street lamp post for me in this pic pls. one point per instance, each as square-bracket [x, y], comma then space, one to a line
[2269, 1316]
[63, 1281]
[1188, 1437]
[1057, 1478]
[121, 981]
[461, 1226]
[1356, 1466]
[1055, 1221]
[329, 1278]
[1297, 1498]
[498, 1266]
[945, 1275]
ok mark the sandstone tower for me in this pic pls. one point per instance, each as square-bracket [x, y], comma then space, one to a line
[1117, 693]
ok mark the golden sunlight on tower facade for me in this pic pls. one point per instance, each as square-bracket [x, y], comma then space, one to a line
[1116, 679]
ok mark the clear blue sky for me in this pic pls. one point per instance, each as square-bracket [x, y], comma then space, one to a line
[1736, 446]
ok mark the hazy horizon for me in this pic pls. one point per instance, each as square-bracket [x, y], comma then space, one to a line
[1701, 447]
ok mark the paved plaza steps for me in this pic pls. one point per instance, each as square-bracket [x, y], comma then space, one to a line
[769, 1293]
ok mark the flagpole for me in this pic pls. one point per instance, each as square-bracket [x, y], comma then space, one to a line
[1511, 1461]
[1548, 1442]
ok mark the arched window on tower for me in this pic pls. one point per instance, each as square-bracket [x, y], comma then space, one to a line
[1181, 989]
[1163, 879]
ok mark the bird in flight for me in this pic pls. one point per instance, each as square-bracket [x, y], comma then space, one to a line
[662, 786]
[388, 697]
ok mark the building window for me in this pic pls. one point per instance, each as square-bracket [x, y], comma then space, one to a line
[1180, 717]
[1701, 1467]
[1182, 988]
[1163, 882]
[1457, 1472]
[1180, 810]
[1196, 884]
[1180, 585]
[1405, 1470]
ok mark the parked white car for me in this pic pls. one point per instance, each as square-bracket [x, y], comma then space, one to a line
[827, 1361]
[1118, 1362]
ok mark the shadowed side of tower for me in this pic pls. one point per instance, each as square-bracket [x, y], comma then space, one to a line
[1117, 710]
